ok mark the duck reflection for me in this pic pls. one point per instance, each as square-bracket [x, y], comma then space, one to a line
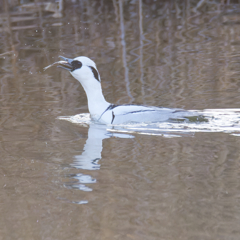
[92, 153]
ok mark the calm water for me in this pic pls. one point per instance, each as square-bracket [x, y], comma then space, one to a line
[62, 180]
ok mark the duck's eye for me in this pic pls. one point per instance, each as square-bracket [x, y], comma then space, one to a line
[76, 65]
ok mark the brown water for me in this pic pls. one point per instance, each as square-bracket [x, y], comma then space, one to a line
[60, 180]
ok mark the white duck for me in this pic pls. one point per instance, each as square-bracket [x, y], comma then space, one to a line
[85, 71]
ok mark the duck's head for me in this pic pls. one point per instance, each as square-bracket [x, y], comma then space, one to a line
[83, 69]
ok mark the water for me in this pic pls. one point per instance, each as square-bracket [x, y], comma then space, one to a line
[79, 180]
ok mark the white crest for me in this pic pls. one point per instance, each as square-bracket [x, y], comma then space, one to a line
[85, 61]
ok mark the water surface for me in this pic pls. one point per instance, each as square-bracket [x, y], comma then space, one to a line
[62, 180]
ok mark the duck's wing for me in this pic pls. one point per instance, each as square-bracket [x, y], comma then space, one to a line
[134, 113]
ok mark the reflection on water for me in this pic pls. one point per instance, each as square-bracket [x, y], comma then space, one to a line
[173, 180]
[219, 120]
[81, 178]
[92, 151]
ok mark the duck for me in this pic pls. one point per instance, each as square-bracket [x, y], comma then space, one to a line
[85, 71]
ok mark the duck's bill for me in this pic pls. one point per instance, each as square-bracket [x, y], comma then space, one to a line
[65, 64]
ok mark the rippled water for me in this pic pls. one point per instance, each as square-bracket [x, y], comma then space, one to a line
[76, 179]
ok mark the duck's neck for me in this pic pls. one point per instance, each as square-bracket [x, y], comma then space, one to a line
[96, 101]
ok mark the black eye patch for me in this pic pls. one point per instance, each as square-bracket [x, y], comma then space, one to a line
[95, 73]
[75, 65]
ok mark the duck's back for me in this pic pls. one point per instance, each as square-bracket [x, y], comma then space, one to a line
[134, 113]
